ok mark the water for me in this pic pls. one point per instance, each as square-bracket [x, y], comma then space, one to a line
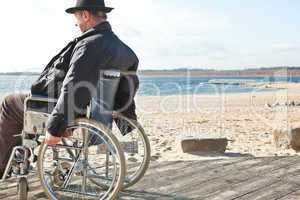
[200, 85]
[156, 85]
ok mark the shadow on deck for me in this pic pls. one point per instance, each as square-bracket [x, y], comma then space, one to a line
[217, 179]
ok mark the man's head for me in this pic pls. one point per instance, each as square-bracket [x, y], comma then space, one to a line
[89, 13]
[86, 19]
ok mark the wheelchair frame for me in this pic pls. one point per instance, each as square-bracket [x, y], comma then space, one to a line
[26, 144]
[37, 129]
[21, 167]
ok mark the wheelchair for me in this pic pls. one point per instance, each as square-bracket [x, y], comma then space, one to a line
[136, 147]
[89, 163]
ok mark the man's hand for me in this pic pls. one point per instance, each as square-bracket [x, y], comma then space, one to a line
[51, 140]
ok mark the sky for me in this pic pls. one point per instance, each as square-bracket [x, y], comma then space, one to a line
[165, 34]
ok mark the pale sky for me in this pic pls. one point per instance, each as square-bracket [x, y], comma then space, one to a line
[165, 34]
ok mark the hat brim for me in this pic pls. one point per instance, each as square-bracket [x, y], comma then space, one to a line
[103, 9]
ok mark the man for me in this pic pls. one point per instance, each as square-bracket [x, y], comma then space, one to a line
[72, 75]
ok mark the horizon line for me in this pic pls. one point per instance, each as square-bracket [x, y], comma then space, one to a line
[179, 69]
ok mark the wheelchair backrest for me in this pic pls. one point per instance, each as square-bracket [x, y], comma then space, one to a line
[102, 104]
[37, 109]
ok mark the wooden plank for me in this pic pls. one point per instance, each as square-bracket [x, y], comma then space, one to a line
[154, 182]
[237, 178]
[154, 169]
[255, 181]
[205, 179]
[139, 195]
[168, 169]
[274, 191]
[9, 189]
[240, 179]
[291, 196]
[289, 183]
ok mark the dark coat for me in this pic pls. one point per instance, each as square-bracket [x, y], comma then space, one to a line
[80, 61]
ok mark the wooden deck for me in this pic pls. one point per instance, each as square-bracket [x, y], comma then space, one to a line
[218, 179]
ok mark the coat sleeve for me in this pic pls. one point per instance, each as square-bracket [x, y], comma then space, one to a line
[77, 88]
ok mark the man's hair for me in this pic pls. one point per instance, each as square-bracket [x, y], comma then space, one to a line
[98, 14]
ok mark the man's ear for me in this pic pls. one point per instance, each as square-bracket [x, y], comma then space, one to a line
[85, 15]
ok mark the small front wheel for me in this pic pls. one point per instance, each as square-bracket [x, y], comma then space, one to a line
[23, 189]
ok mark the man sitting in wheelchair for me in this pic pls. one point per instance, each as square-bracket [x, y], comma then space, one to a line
[71, 77]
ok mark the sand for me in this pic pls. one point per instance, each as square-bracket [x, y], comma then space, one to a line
[245, 119]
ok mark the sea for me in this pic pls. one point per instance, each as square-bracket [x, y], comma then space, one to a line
[163, 85]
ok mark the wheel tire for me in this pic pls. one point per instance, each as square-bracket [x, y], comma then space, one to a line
[120, 153]
[23, 189]
[147, 158]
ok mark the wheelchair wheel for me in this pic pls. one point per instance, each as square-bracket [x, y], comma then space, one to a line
[136, 147]
[23, 188]
[65, 169]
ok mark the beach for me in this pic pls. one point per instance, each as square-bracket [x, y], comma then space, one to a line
[247, 120]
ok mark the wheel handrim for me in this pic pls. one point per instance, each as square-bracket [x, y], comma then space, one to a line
[96, 192]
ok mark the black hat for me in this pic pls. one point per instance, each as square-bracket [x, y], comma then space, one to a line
[95, 5]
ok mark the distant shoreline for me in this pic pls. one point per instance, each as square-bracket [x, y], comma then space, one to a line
[183, 72]
[259, 72]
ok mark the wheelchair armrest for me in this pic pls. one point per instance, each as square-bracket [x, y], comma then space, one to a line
[39, 103]
[40, 99]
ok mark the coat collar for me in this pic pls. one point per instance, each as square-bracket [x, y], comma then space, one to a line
[104, 26]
